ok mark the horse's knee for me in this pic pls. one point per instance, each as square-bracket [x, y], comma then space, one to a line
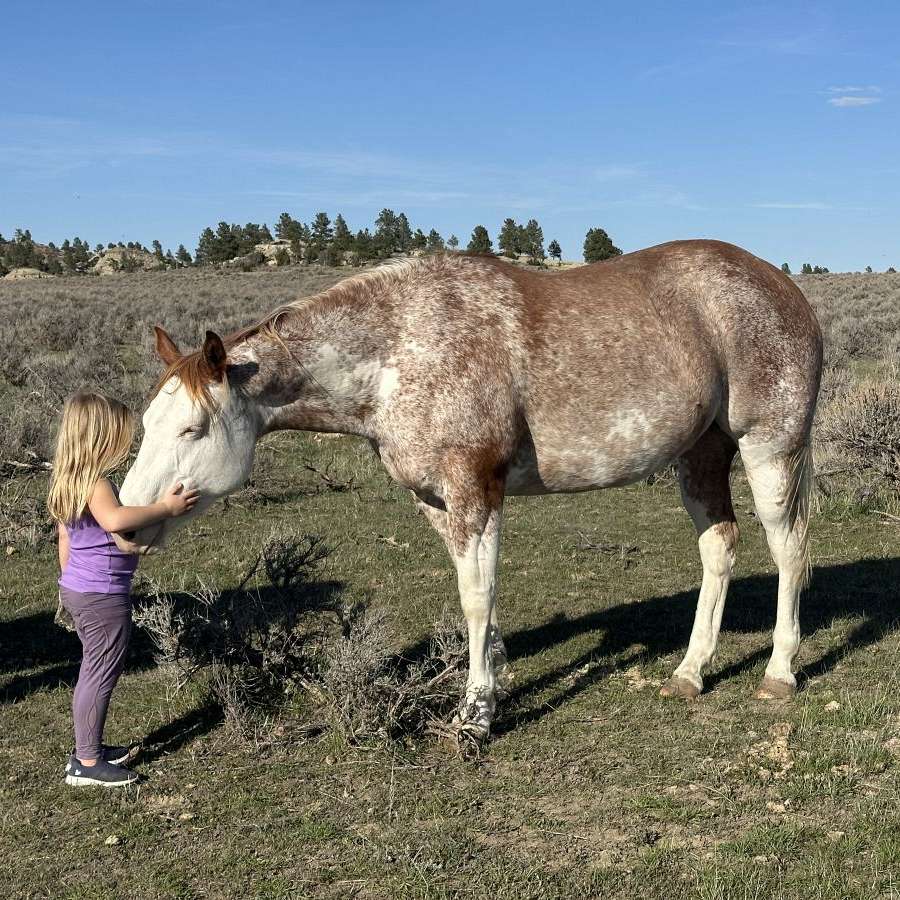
[718, 548]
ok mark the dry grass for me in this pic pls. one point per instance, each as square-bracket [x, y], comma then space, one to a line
[591, 785]
[284, 641]
[96, 334]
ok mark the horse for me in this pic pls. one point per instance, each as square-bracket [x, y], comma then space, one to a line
[474, 379]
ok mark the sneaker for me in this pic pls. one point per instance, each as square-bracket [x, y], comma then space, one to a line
[102, 773]
[115, 755]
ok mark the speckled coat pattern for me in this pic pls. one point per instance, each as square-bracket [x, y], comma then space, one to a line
[474, 379]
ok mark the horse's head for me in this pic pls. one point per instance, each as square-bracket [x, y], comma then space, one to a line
[200, 428]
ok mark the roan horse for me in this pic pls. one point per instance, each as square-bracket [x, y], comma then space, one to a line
[474, 379]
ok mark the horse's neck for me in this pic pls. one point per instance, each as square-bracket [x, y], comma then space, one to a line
[335, 363]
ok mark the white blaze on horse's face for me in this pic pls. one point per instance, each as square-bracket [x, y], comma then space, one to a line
[207, 446]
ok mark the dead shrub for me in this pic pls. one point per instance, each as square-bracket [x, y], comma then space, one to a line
[288, 638]
[23, 514]
[371, 694]
[859, 431]
[258, 644]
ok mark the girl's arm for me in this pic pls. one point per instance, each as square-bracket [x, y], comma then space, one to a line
[63, 545]
[112, 516]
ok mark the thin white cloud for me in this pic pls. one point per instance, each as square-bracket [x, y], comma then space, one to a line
[796, 45]
[787, 204]
[855, 89]
[857, 100]
[615, 172]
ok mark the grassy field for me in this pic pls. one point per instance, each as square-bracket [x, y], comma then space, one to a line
[591, 786]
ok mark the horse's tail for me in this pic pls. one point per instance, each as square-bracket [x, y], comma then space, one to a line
[801, 481]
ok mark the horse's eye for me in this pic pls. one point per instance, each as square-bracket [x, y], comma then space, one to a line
[191, 431]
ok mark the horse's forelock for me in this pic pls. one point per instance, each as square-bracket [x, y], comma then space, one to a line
[195, 377]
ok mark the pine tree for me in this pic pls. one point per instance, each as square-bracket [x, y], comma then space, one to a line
[403, 236]
[158, 250]
[435, 241]
[288, 228]
[480, 241]
[228, 242]
[206, 248]
[509, 240]
[786, 268]
[419, 240]
[806, 269]
[182, 255]
[386, 232]
[321, 231]
[453, 242]
[532, 241]
[598, 246]
[342, 240]
[68, 256]
[364, 246]
[555, 250]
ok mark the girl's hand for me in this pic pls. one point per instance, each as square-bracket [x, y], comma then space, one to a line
[178, 501]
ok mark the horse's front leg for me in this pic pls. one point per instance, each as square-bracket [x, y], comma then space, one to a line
[471, 530]
[475, 556]
[440, 521]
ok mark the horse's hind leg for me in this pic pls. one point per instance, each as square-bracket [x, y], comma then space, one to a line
[703, 473]
[780, 478]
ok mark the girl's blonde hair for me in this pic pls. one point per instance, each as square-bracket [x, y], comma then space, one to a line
[94, 439]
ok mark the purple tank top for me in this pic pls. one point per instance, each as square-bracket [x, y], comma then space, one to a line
[96, 565]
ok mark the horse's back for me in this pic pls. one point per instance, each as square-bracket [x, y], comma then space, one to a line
[605, 373]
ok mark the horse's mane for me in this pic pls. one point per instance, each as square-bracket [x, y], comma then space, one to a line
[192, 369]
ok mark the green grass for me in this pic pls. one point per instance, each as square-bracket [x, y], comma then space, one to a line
[592, 785]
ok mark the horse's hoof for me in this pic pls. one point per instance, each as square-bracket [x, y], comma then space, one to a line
[472, 731]
[773, 689]
[679, 687]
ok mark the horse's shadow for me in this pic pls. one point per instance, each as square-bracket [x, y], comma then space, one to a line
[631, 632]
[625, 634]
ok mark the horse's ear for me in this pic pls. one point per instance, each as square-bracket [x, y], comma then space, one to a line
[215, 356]
[165, 347]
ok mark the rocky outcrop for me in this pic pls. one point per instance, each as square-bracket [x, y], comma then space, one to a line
[121, 259]
[272, 250]
[25, 272]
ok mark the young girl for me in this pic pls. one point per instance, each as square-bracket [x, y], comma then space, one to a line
[95, 436]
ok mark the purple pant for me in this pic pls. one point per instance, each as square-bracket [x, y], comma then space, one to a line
[103, 623]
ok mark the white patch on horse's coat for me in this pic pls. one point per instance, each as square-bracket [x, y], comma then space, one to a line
[390, 378]
[629, 425]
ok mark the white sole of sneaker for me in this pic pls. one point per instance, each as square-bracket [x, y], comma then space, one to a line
[80, 781]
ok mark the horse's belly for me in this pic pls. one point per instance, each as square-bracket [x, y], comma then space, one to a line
[629, 448]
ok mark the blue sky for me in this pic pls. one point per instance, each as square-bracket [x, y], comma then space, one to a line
[772, 126]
